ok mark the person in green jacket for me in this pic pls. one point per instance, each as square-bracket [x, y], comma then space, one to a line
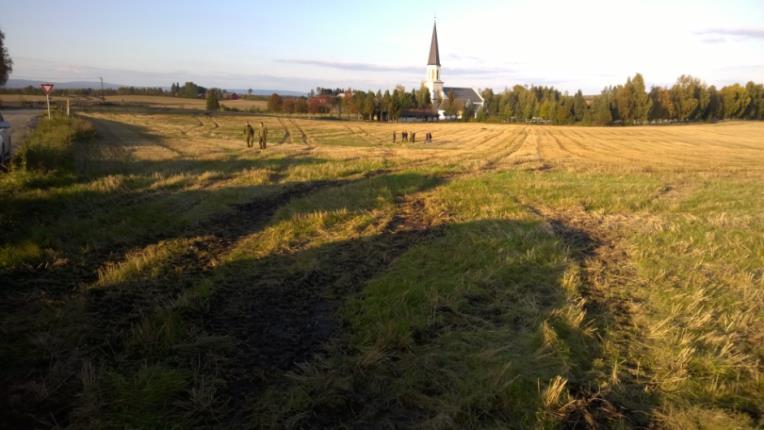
[262, 136]
[249, 131]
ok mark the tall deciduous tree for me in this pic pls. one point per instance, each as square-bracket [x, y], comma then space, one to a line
[601, 107]
[368, 106]
[662, 104]
[579, 106]
[685, 95]
[640, 101]
[735, 100]
[6, 64]
[275, 103]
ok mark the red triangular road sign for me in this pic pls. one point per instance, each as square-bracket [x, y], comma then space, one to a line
[48, 88]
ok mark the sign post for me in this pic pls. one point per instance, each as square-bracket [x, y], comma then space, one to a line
[47, 88]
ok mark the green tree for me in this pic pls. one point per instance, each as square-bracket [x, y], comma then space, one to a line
[579, 106]
[622, 101]
[735, 100]
[368, 106]
[547, 109]
[714, 108]
[684, 95]
[6, 63]
[423, 98]
[662, 106]
[347, 102]
[601, 108]
[563, 113]
[490, 103]
[191, 90]
[451, 108]
[755, 108]
[397, 101]
[387, 105]
[640, 101]
[357, 106]
[213, 100]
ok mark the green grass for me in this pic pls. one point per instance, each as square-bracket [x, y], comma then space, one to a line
[306, 288]
[51, 145]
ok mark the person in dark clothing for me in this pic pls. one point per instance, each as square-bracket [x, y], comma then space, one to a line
[404, 136]
[394, 136]
[262, 136]
[413, 136]
[249, 131]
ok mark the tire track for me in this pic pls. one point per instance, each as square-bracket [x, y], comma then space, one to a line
[305, 139]
[605, 270]
[287, 133]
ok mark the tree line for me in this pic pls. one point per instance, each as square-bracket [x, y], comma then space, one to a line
[368, 105]
[688, 99]
[189, 90]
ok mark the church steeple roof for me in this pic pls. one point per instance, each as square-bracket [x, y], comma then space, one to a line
[434, 59]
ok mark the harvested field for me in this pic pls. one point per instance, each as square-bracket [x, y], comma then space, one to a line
[131, 101]
[504, 276]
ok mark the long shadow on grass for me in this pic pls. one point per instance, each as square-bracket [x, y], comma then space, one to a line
[633, 399]
[465, 325]
[96, 326]
[72, 233]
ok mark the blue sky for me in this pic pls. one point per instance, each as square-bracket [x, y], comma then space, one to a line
[297, 45]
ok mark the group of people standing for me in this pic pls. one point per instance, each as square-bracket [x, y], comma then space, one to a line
[411, 137]
[262, 135]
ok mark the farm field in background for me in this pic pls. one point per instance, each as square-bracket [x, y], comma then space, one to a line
[133, 100]
[504, 276]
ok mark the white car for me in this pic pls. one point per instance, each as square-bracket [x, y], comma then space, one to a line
[5, 142]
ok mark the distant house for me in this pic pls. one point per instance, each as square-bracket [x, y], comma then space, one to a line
[464, 96]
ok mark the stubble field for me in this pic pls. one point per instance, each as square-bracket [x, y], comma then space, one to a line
[157, 102]
[504, 276]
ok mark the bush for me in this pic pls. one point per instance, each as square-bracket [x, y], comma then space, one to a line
[213, 100]
[50, 146]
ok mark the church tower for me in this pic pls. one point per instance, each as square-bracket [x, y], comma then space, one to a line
[433, 81]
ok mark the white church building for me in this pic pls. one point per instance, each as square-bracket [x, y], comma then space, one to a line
[439, 92]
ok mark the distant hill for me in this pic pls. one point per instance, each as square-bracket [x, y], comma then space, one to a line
[78, 85]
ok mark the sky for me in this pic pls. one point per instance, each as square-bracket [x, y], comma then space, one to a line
[298, 45]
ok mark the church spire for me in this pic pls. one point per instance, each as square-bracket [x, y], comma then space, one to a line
[434, 59]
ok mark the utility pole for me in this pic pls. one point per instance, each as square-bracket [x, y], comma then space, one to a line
[103, 98]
